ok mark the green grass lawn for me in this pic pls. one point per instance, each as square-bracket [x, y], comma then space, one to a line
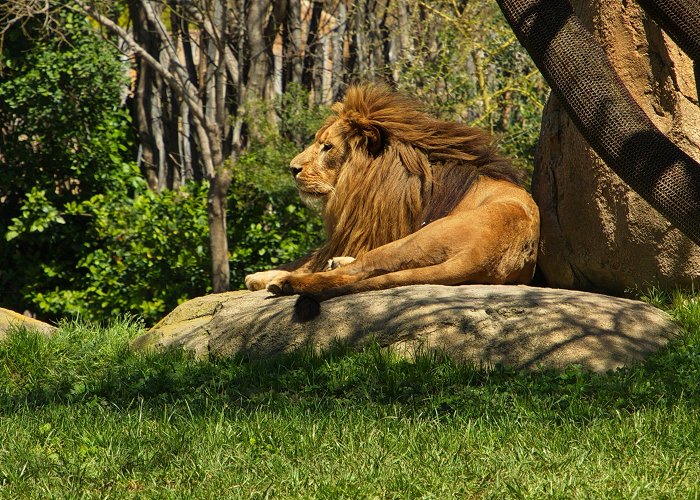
[82, 416]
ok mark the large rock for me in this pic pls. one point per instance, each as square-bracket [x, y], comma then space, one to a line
[596, 233]
[521, 326]
[10, 319]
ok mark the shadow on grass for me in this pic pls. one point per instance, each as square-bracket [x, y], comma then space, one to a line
[84, 363]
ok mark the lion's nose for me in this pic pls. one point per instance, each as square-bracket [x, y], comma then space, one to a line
[295, 170]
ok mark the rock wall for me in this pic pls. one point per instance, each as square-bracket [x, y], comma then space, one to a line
[596, 233]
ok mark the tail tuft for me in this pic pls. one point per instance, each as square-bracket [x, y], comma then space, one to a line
[307, 307]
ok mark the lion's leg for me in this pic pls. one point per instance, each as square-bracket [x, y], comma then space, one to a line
[450, 272]
[486, 245]
[431, 246]
[260, 279]
[446, 273]
[394, 256]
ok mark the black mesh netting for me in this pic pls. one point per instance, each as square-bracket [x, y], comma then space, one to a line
[579, 72]
[680, 19]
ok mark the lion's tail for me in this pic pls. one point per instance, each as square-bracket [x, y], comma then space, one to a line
[308, 305]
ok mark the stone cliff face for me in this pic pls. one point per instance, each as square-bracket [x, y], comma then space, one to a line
[596, 233]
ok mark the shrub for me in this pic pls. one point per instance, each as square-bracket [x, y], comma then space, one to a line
[83, 236]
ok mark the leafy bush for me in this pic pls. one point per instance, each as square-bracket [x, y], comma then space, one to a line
[268, 224]
[64, 141]
[63, 128]
[82, 234]
[145, 255]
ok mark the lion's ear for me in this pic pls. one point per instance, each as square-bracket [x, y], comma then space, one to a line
[374, 139]
[371, 134]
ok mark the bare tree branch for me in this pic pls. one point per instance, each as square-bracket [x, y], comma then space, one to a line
[185, 89]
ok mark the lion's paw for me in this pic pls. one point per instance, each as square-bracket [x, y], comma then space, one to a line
[337, 262]
[260, 280]
[280, 286]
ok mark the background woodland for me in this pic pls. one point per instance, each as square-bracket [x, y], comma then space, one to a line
[144, 144]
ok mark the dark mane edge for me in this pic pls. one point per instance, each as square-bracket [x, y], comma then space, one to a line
[452, 181]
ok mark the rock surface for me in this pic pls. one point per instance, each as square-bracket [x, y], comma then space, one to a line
[597, 234]
[10, 319]
[520, 326]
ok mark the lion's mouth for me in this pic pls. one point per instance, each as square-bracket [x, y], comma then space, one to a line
[311, 194]
[312, 198]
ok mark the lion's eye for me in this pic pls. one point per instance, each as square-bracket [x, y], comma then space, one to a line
[326, 147]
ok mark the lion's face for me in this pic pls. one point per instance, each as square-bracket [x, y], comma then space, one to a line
[317, 168]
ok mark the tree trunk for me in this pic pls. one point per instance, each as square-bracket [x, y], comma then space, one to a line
[241, 88]
[293, 43]
[358, 45]
[141, 111]
[338, 39]
[192, 167]
[142, 103]
[272, 31]
[218, 242]
[386, 44]
[217, 131]
[187, 151]
[308, 79]
[157, 131]
[257, 75]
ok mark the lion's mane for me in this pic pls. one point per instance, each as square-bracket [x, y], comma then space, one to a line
[405, 169]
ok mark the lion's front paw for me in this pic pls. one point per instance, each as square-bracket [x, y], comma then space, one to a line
[259, 281]
[281, 286]
[337, 262]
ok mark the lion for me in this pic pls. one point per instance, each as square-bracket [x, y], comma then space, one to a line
[406, 199]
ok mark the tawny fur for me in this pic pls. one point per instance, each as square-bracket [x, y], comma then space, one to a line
[412, 198]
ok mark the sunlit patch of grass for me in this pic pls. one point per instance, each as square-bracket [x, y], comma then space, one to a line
[83, 415]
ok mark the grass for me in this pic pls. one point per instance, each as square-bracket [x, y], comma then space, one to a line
[83, 416]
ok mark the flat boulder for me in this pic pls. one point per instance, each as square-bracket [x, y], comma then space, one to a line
[10, 319]
[520, 326]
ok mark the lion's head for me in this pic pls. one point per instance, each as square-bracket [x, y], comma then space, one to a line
[317, 168]
[380, 168]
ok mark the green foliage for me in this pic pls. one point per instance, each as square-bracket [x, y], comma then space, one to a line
[64, 142]
[83, 236]
[36, 215]
[146, 254]
[469, 67]
[59, 100]
[269, 224]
